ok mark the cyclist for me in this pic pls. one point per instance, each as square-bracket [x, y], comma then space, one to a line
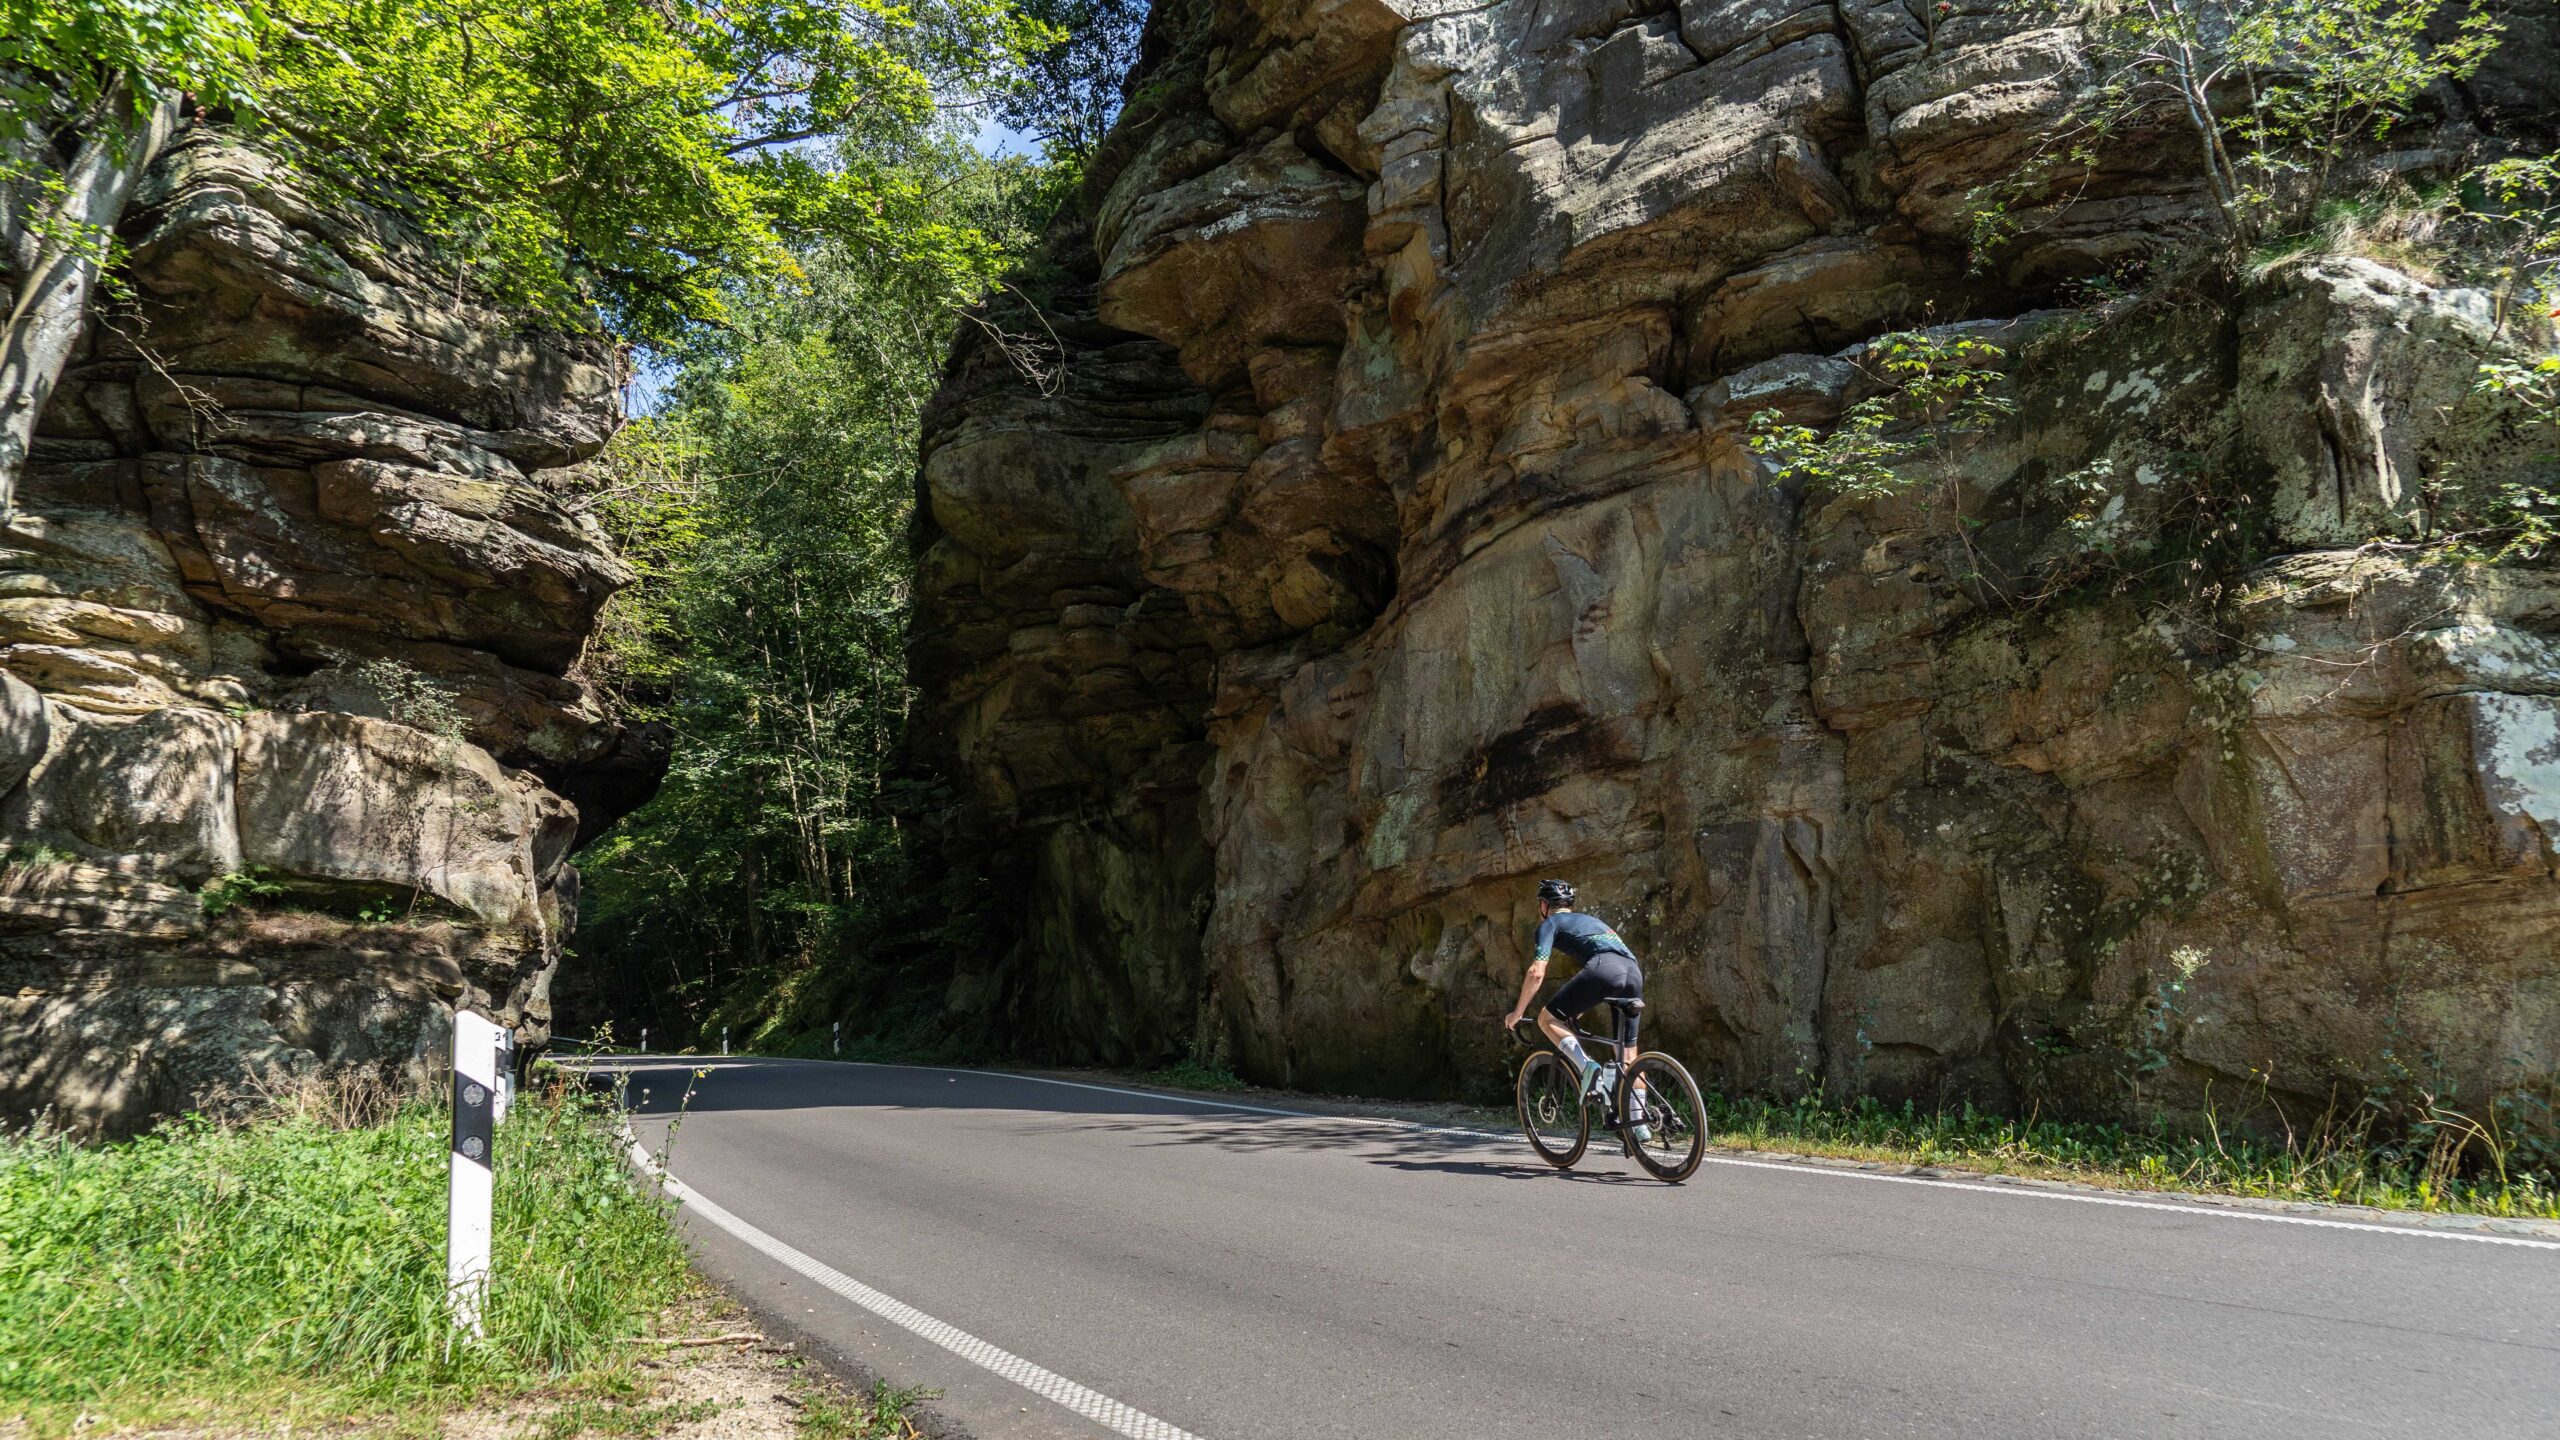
[1609, 972]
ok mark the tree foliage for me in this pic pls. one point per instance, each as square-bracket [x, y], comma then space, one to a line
[2273, 94]
[636, 155]
[1926, 390]
[1070, 87]
[766, 507]
[61, 61]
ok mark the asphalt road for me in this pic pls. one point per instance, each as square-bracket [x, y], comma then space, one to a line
[1243, 1276]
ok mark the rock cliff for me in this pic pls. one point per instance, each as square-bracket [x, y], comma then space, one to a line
[1389, 540]
[292, 740]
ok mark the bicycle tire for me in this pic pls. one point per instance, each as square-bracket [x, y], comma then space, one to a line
[1678, 1118]
[1543, 1088]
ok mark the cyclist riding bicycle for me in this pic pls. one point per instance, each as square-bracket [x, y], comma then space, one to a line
[1609, 972]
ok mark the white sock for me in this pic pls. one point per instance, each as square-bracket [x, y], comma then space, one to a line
[1582, 1064]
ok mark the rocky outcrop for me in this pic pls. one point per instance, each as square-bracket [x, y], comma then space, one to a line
[1392, 541]
[294, 745]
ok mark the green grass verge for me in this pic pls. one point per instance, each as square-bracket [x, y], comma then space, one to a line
[2456, 1168]
[292, 1267]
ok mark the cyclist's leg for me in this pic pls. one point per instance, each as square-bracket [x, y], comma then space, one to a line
[1586, 989]
[1626, 980]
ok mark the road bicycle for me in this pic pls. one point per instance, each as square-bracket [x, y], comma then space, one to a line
[1654, 1096]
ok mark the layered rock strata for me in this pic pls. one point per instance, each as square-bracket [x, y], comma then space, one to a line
[1393, 541]
[293, 743]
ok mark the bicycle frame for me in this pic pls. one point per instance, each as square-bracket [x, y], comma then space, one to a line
[1530, 1027]
[1609, 1103]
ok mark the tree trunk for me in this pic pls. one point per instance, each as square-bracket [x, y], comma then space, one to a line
[46, 314]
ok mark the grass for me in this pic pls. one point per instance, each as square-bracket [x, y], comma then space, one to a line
[291, 1265]
[2443, 1167]
[882, 1415]
[1191, 1074]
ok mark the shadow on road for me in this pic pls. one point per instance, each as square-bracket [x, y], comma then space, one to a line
[984, 1101]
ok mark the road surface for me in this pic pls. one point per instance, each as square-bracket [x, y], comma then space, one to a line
[1075, 1261]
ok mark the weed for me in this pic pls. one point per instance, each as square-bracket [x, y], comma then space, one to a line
[2343, 1158]
[407, 695]
[882, 1415]
[1189, 1074]
[1204, 1065]
[2159, 1014]
[230, 891]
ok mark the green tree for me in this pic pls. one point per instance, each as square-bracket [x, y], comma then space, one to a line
[626, 158]
[1922, 396]
[1070, 87]
[767, 509]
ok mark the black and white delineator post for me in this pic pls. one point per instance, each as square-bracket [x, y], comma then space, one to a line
[475, 1118]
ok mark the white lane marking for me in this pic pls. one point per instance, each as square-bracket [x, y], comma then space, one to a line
[1093, 1405]
[1828, 1171]
[2034, 1193]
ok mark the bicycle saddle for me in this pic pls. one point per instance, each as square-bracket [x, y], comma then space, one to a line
[1629, 1006]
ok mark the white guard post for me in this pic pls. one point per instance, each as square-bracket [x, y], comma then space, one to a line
[475, 1117]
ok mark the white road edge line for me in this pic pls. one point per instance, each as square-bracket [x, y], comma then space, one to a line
[1091, 1404]
[1826, 1171]
[2026, 1192]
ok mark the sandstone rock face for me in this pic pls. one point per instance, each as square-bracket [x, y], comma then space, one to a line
[1391, 542]
[292, 747]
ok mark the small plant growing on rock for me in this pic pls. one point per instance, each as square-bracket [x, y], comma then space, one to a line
[1932, 390]
[2160, 1011]
[227, 892]
[409, 697]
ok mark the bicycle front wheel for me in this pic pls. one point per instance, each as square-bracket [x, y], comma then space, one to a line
[1659, 1094]
[1552, 1114]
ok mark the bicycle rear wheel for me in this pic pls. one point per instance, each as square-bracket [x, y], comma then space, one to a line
[1552, 1114]
[1673, 1113]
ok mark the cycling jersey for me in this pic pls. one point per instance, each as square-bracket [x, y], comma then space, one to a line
[1609, 968]
[1578, 935]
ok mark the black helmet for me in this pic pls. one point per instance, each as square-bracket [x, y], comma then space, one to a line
[1556, 892]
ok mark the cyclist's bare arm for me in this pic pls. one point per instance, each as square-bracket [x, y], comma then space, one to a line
[1528, 992]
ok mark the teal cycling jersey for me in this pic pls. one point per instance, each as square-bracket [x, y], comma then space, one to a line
[1580, 936]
